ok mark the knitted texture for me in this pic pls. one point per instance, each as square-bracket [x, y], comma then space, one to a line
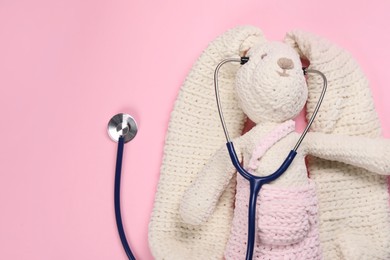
[369, 154]
[266, 90]
[286, 219]
[278, 133]
[354, 211]
[282, 95]
[194, 134]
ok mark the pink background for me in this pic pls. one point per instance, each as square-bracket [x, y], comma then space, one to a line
[67, 66]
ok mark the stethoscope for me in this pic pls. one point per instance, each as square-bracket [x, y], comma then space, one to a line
[122, 128]
[256, 182]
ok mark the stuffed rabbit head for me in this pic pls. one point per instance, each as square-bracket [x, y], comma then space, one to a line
[271, 86]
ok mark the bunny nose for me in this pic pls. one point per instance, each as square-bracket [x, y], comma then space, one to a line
[286, 63]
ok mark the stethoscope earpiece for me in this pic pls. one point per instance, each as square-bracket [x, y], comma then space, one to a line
[244, 60]
[122, 125]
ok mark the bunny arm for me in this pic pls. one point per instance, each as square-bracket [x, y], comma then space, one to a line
[368, 153]
[200, 199]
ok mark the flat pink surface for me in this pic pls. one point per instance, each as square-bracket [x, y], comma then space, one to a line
[67, 66]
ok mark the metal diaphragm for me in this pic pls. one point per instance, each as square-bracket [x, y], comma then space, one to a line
[122, 125]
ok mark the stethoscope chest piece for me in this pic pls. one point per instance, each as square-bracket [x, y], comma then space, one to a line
[121, 128]
[122, 125]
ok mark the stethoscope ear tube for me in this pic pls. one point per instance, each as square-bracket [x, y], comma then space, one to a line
[122, 128]
[313, 116]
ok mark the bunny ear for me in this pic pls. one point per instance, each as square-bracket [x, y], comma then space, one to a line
[346, 194]
[194, 135]
[348, 106]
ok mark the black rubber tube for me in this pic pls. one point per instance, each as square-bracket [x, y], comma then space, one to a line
[118, 217]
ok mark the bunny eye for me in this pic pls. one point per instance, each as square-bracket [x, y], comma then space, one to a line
[262, 56]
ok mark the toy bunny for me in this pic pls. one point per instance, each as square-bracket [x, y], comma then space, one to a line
[199, 187]
[271, 90]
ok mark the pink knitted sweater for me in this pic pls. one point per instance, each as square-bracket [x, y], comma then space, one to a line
[287, 217]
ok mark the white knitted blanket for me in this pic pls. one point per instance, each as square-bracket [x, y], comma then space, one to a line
[353, 202]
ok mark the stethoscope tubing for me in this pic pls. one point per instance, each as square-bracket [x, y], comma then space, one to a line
[119, 224]
[255, 184]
